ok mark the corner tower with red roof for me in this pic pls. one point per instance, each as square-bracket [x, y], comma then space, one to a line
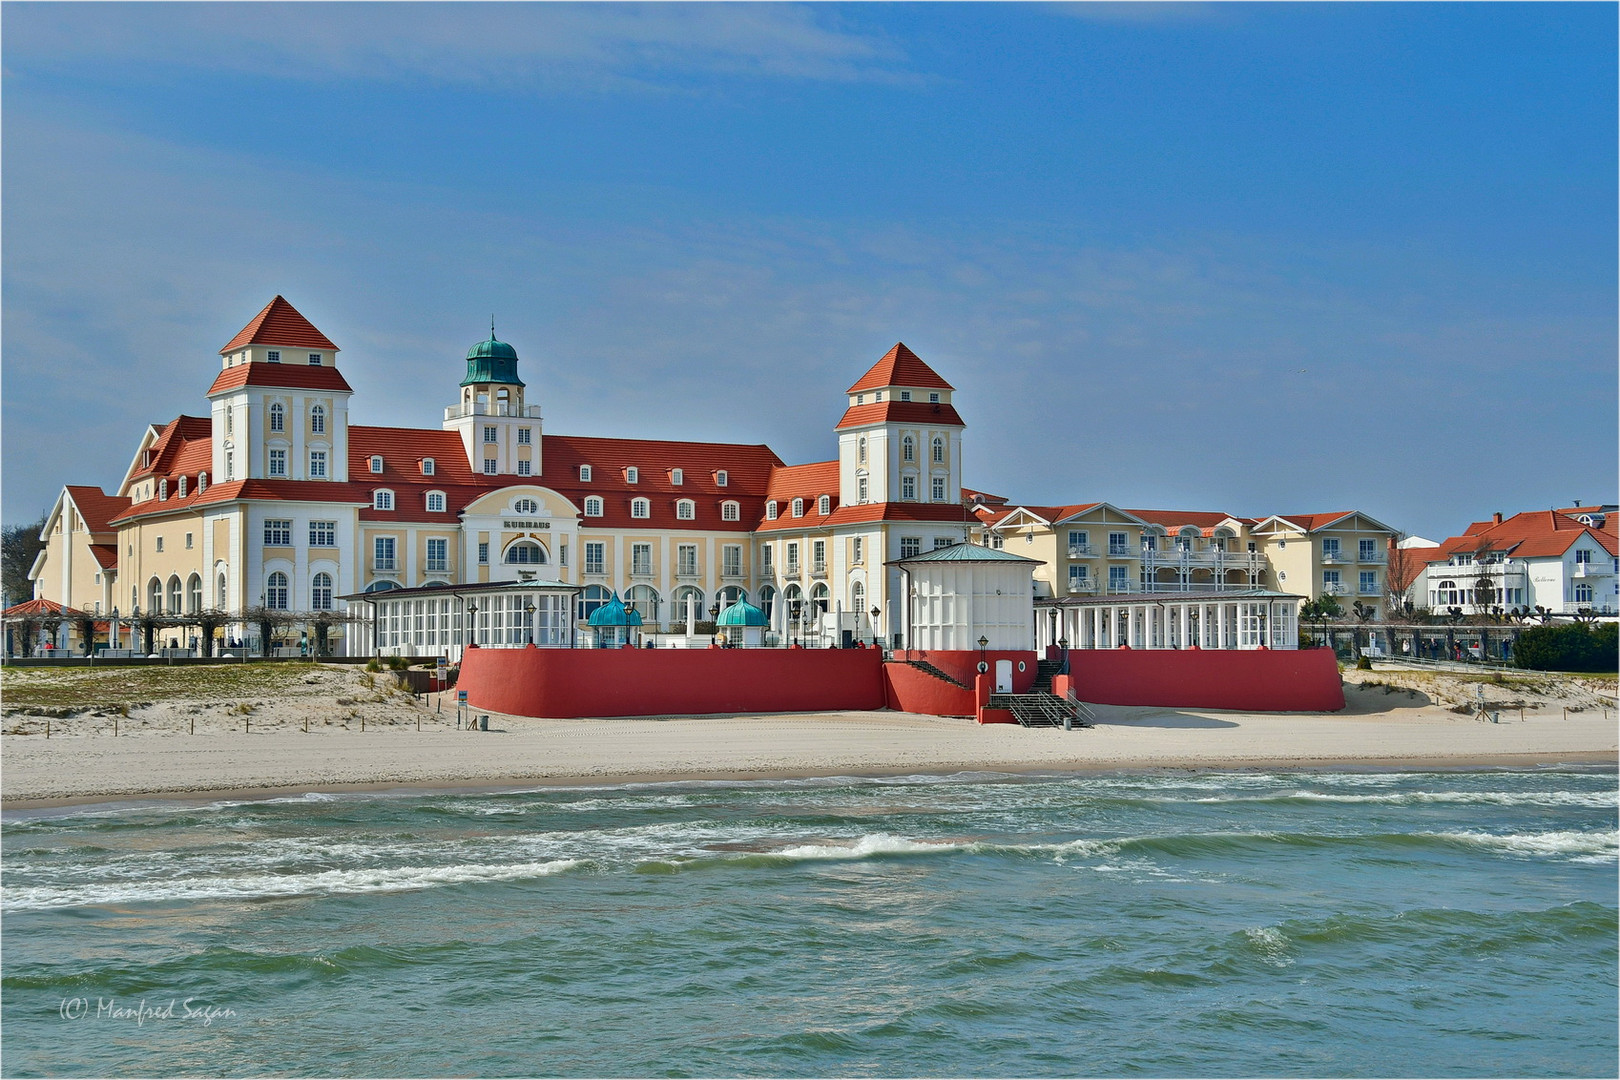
[900, 439]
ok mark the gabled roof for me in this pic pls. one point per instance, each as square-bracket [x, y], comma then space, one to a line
[930, 413]
[899, 367]
[1205, 521]
[279, 324]
[96, 507]
[106, 555]
[289, 376]
[171, 441]
[803, 481]
[1532, 535]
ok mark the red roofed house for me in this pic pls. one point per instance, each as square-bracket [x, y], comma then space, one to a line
[273, 499]
[1563, 561]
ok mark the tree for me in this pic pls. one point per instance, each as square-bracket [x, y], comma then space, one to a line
[1320, 611]
[20, 545]
[1364, 614]
[1567, 647]
[1403, 568]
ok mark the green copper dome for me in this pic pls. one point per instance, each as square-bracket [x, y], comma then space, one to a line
[742, 613]
[615, 613]
[492, 362]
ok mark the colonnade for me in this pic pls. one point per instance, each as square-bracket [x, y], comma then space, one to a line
[1211, 623]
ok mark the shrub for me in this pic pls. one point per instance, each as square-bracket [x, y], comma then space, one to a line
[1569, 647]
[397, 663]
[1364, 664]
[374, 665]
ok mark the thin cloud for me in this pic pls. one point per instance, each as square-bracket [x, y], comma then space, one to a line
[506, 44]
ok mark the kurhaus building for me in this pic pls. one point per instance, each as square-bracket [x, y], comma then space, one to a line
[274, 500]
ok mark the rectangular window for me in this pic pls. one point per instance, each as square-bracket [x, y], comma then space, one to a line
[1118, 581]
[562, 554]
[274, 356]
[908, 488]
[861, 490]
[677, 476]
[525, 436]
[939, 489]
[1117, 545]
[315, 359]
[382, 548]
[943, 542]
[910, 546]
[585, 473]
[767, 557]
[524, 467]
[641, 559]
[721, 478]
[934, 397]
[490, 434]
[1079, 575]
[230, 465]
[595, 557]
[731, 560]
[1330, 547]
[317, 464]
[323, 534]
[1369, 550]
[632, 475]
[1331, 582]
[1582, 557]
[438, 555]
[1079, 542]
[1369, 583]
[905, 395]
[792, 558]
[686, 559]
[188, 541]
[278, 462]
[376, 463]
[489, 466]
[277, 532]
[160, 543]
[857, 549]
[483, 552]
[818, 556]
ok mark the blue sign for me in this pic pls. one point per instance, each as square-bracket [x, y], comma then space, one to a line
[461, 697]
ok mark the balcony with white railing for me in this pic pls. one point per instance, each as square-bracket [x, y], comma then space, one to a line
[1378, 556]
[1335, 588]
[1082, 586]
[525, 412]
[1119, 551]
[437, 566]
[1335, 558]
[387, 563]
[1211, 558]
[1081, 551]
[1369, 590]
[1594, 569]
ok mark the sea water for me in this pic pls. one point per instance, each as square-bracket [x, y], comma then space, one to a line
[1173, 924]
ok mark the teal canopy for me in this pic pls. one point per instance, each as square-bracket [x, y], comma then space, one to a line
[614, 613]
[742, 613]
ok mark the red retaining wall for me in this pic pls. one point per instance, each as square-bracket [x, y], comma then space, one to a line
[657, 682]
[911, 690]
[963, 664]
[1262, 680]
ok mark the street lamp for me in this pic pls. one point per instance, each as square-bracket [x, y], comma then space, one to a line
[983, 666]
[876, 614]
[528, 606]
[472, 622]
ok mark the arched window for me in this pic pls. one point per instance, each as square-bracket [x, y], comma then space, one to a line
[278, 417]
[939, 450]
[821, 597]
[163, 489]
[320, 592]
[317, 419]
[908, 449]
[767, 599]
[793, 596]
[435, 502]
[382, 586]
[154, 597]
[275, 592]
[194, 594]
[181, 487]
[639, 508]
[1583, 593]
[824, 505]
[223, 596]
[592, 598]
[202, 482]
[525, 553]
[857, 598]
[798, 508]
[729, 595]
[689, 598]
[177, 596]
[644, 598]
[593, 506]
[729, 511]
[685, 509]
[860, 453]
[770, 510]
[382, 499]
[526, 506]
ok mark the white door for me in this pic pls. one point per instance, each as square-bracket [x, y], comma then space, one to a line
[1003, 676]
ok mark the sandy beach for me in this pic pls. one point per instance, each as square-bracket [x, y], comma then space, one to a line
[178, 749]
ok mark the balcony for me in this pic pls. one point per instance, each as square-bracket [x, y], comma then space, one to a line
[792, 569]
[1335, 588]
[1593, 569]
[641, 570]
[1081, 551]
[1378, 556]
[437, 566]
[1118, 551]
[1082, 585]
[1334, 558]
[1212, 558]
[1370, 590]
[686, 572]
[819, 570]
[526, 412]
[381, 563]
[731, 572]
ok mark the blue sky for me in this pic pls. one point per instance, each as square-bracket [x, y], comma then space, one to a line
[1254, 258]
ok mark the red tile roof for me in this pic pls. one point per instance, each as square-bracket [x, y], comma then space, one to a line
[280, 324]
[1205, 521]
[748, 471]
[900, 412]
[290, 376]
[1537, 534]
[96, 507]
[899, 367]
[808, 482]
[266, 490]
[106, 555]
[1312, 522]
[41, 606]
[402, 451]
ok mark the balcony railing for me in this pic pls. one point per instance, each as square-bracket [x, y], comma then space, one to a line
[1378, 556]
[1082, 585]
[641, 570]
[1118, 551]
[1593, 569]
[527, 412]
[438, 566]
[1331, 558]
[1335, 588]
[1081, 551]
[1369, 590]
[731, 571]
[381, 563]
[1209, 557]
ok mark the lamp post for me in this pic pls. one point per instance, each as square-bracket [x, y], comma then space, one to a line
[528, 608]
[876, 614]
[983, 664]
[795, 606]
[472, 623]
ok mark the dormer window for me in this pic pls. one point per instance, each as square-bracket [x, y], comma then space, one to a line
[730, 511]
[934, 397]
[770, 510]
[722, 478]
[428, 465]
[273, 356]
[860, 399]
[798, 508]
[163, 489]
[685, 509]
[677, 476]
[640, 508]
[632, 475]
[435, 502]
[181, 487]
[585, 474]
[382, 499]
[593, 506]
[314, 359]
[202, 482]
[376, 463]
[905, 395]
[824, 505]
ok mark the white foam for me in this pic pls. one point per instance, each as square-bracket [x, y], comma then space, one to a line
[260, 886]
[867, 846]
[1583, 846]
